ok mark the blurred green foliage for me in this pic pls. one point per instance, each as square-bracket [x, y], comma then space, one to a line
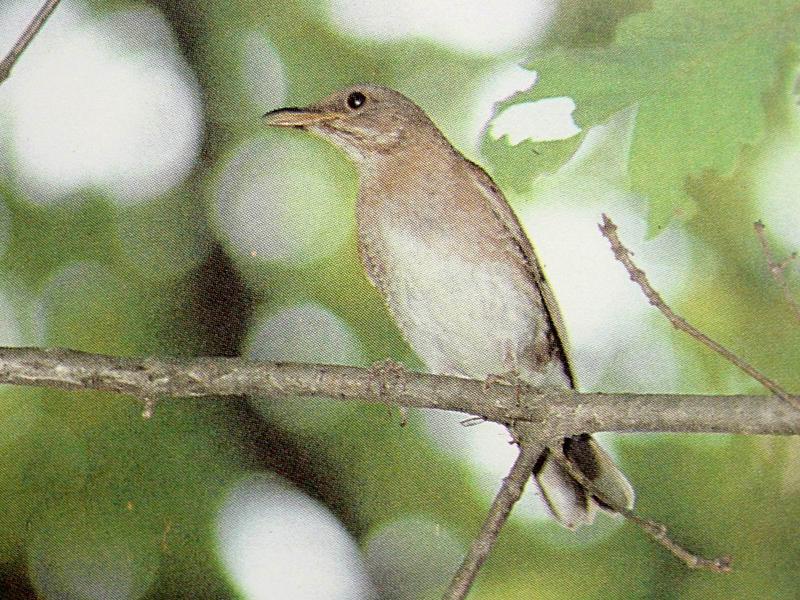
[697, 73]
[83, 478]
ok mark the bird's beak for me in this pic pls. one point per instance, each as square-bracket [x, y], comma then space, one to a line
[297, 117]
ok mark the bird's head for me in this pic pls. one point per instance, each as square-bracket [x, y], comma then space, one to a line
[361, 119]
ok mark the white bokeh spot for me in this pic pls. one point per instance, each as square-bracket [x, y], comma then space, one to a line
[603, 311]
[412, 557]
[305, 333]
[277, 542]
[278, 200]
[470, 25]
[779, 194]
[540, 121]
[68, 291]
[263, 71]
[103, 102]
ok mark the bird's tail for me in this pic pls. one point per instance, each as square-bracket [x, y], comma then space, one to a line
[569, 501]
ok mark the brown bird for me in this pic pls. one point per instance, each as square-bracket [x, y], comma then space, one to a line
[440, 242]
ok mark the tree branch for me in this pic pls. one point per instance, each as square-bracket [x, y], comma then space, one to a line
[25, 39]
[657, 531]
[556, 412]
[623, 255]
[510, 491]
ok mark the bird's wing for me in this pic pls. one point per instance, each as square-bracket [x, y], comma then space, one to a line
[500, 207]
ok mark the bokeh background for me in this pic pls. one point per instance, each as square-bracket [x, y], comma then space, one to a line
[145, 211]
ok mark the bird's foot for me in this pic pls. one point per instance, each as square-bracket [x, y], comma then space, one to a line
[379, 370]
[510, 378]
[507, 378]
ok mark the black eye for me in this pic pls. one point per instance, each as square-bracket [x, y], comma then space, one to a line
[356, 100]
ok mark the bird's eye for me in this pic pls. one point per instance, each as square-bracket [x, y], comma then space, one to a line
[356, 100]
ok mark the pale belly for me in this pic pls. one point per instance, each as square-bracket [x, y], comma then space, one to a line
[461, 317]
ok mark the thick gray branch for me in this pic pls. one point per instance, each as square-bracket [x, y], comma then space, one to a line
[557, 412]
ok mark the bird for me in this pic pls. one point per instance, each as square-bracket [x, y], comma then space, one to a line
[440, 242]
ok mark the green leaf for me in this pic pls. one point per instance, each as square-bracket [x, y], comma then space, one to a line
[590, 22]
[696, 71]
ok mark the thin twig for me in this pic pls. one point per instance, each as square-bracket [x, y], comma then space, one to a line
[149, 408]
[655, 530]
[25, 39]
[658, 532]
[510, 491]
[623, 255]
[777, 269]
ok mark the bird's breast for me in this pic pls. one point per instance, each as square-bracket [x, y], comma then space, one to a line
[463, 313]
